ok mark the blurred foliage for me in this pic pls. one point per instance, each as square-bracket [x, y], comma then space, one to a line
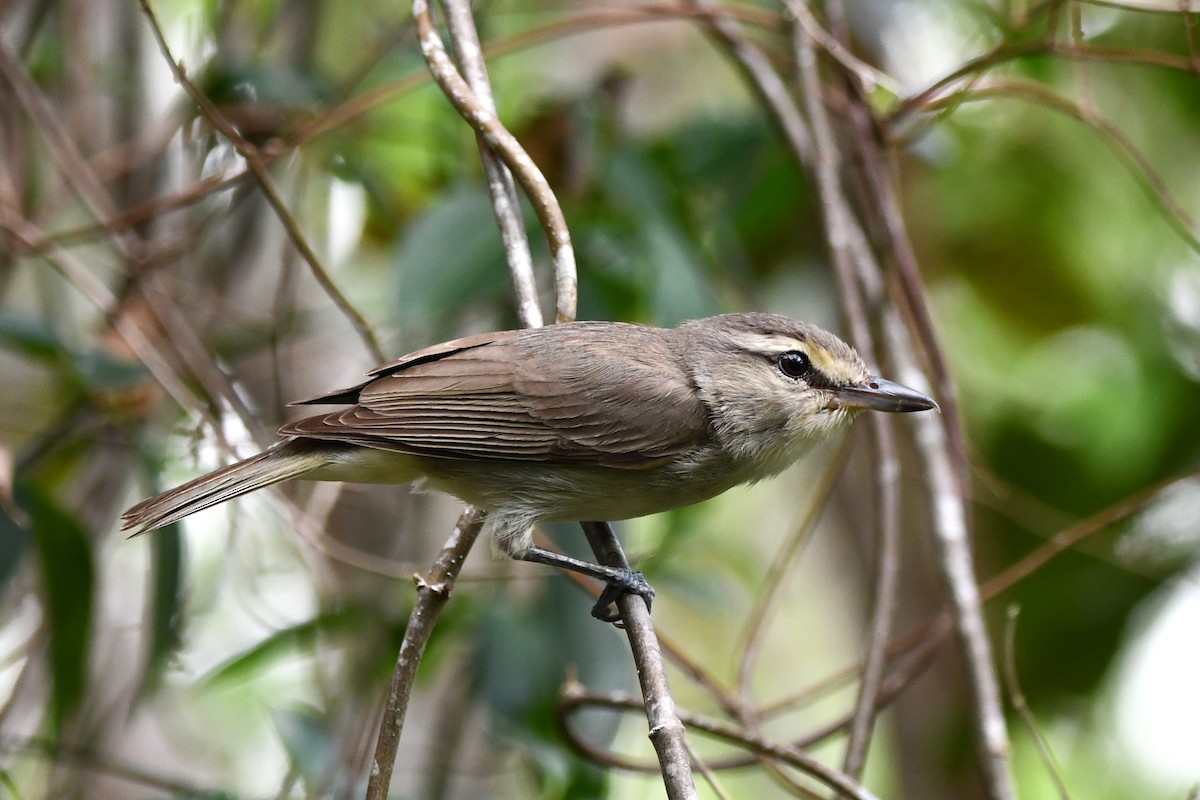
[1066, 300]
[65, 561]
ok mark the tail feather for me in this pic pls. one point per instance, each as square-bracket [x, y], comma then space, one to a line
[290, 459]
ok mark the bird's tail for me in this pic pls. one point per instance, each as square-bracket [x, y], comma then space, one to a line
[289, 459]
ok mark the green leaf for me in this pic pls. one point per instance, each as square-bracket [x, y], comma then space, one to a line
[449, 257]
[281, 644]
[30, 337]
[68, 577]
[309, 744]
[167, 599]
[14, 541]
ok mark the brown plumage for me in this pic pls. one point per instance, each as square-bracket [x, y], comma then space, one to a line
[520, 395]
[581, 421]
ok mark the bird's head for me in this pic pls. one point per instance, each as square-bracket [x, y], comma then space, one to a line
[774, 386]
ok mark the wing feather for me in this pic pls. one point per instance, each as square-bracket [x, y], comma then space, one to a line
[585, 393]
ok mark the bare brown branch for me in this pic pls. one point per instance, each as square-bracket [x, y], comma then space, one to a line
[506, 146]
[433, 592]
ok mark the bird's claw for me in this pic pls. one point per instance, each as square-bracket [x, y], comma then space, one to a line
[624, 581]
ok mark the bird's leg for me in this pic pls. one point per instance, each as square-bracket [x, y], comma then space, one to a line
[617, 581]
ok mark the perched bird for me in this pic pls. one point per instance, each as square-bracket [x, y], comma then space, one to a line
[577, 421]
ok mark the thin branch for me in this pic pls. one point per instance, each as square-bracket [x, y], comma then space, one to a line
[951, 535]
[179, 338]
[445, 570]
[573, 696]
[1022, 706]
[433, 591]
[506, 146]
[912, 650]
[763, 78]
[902, 673]
[141, 213]
[666, 730]
[942, 452]
[72, 164]
[977, 67]
[781, 563]
[864, 74]
[839, 219]
[1138, 164]
[101, 764]
[710, 776]
[579, 23]
[468, 53]
[102, 298]
[253, 160]
[1073, 535]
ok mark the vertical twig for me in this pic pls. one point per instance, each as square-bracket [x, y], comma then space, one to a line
[433, 591]
[764, 80]
[666, 730]
[838, 221]
[469, 54]
[942, 451]
[516, 247]
[506, 146]
[781, 564]
[1022, 705]
[949, 523]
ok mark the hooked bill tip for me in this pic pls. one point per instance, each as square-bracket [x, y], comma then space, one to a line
[880, 394]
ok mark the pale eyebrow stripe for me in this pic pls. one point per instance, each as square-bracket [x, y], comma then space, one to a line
[830, 374]
[771, 345]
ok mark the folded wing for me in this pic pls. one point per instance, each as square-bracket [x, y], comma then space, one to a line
[603, 394]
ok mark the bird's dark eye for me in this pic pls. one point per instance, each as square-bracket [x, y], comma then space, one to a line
[794, 364]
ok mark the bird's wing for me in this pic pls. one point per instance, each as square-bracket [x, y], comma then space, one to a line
[608, 394]
[431, 353]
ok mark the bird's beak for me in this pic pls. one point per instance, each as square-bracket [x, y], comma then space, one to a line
[878, 394]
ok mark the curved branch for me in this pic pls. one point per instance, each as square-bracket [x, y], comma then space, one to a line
[573, 696]
[506, 146]
[469, 54]
[1137, 163]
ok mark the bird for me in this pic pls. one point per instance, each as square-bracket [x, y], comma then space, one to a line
[577, 421]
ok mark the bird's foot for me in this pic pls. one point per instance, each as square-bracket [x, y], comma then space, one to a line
[623, 581]
[617, 581]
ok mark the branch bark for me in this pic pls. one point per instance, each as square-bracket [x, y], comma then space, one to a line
[469, 54]
[666, 729]
[510, 151]
[433, 592]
